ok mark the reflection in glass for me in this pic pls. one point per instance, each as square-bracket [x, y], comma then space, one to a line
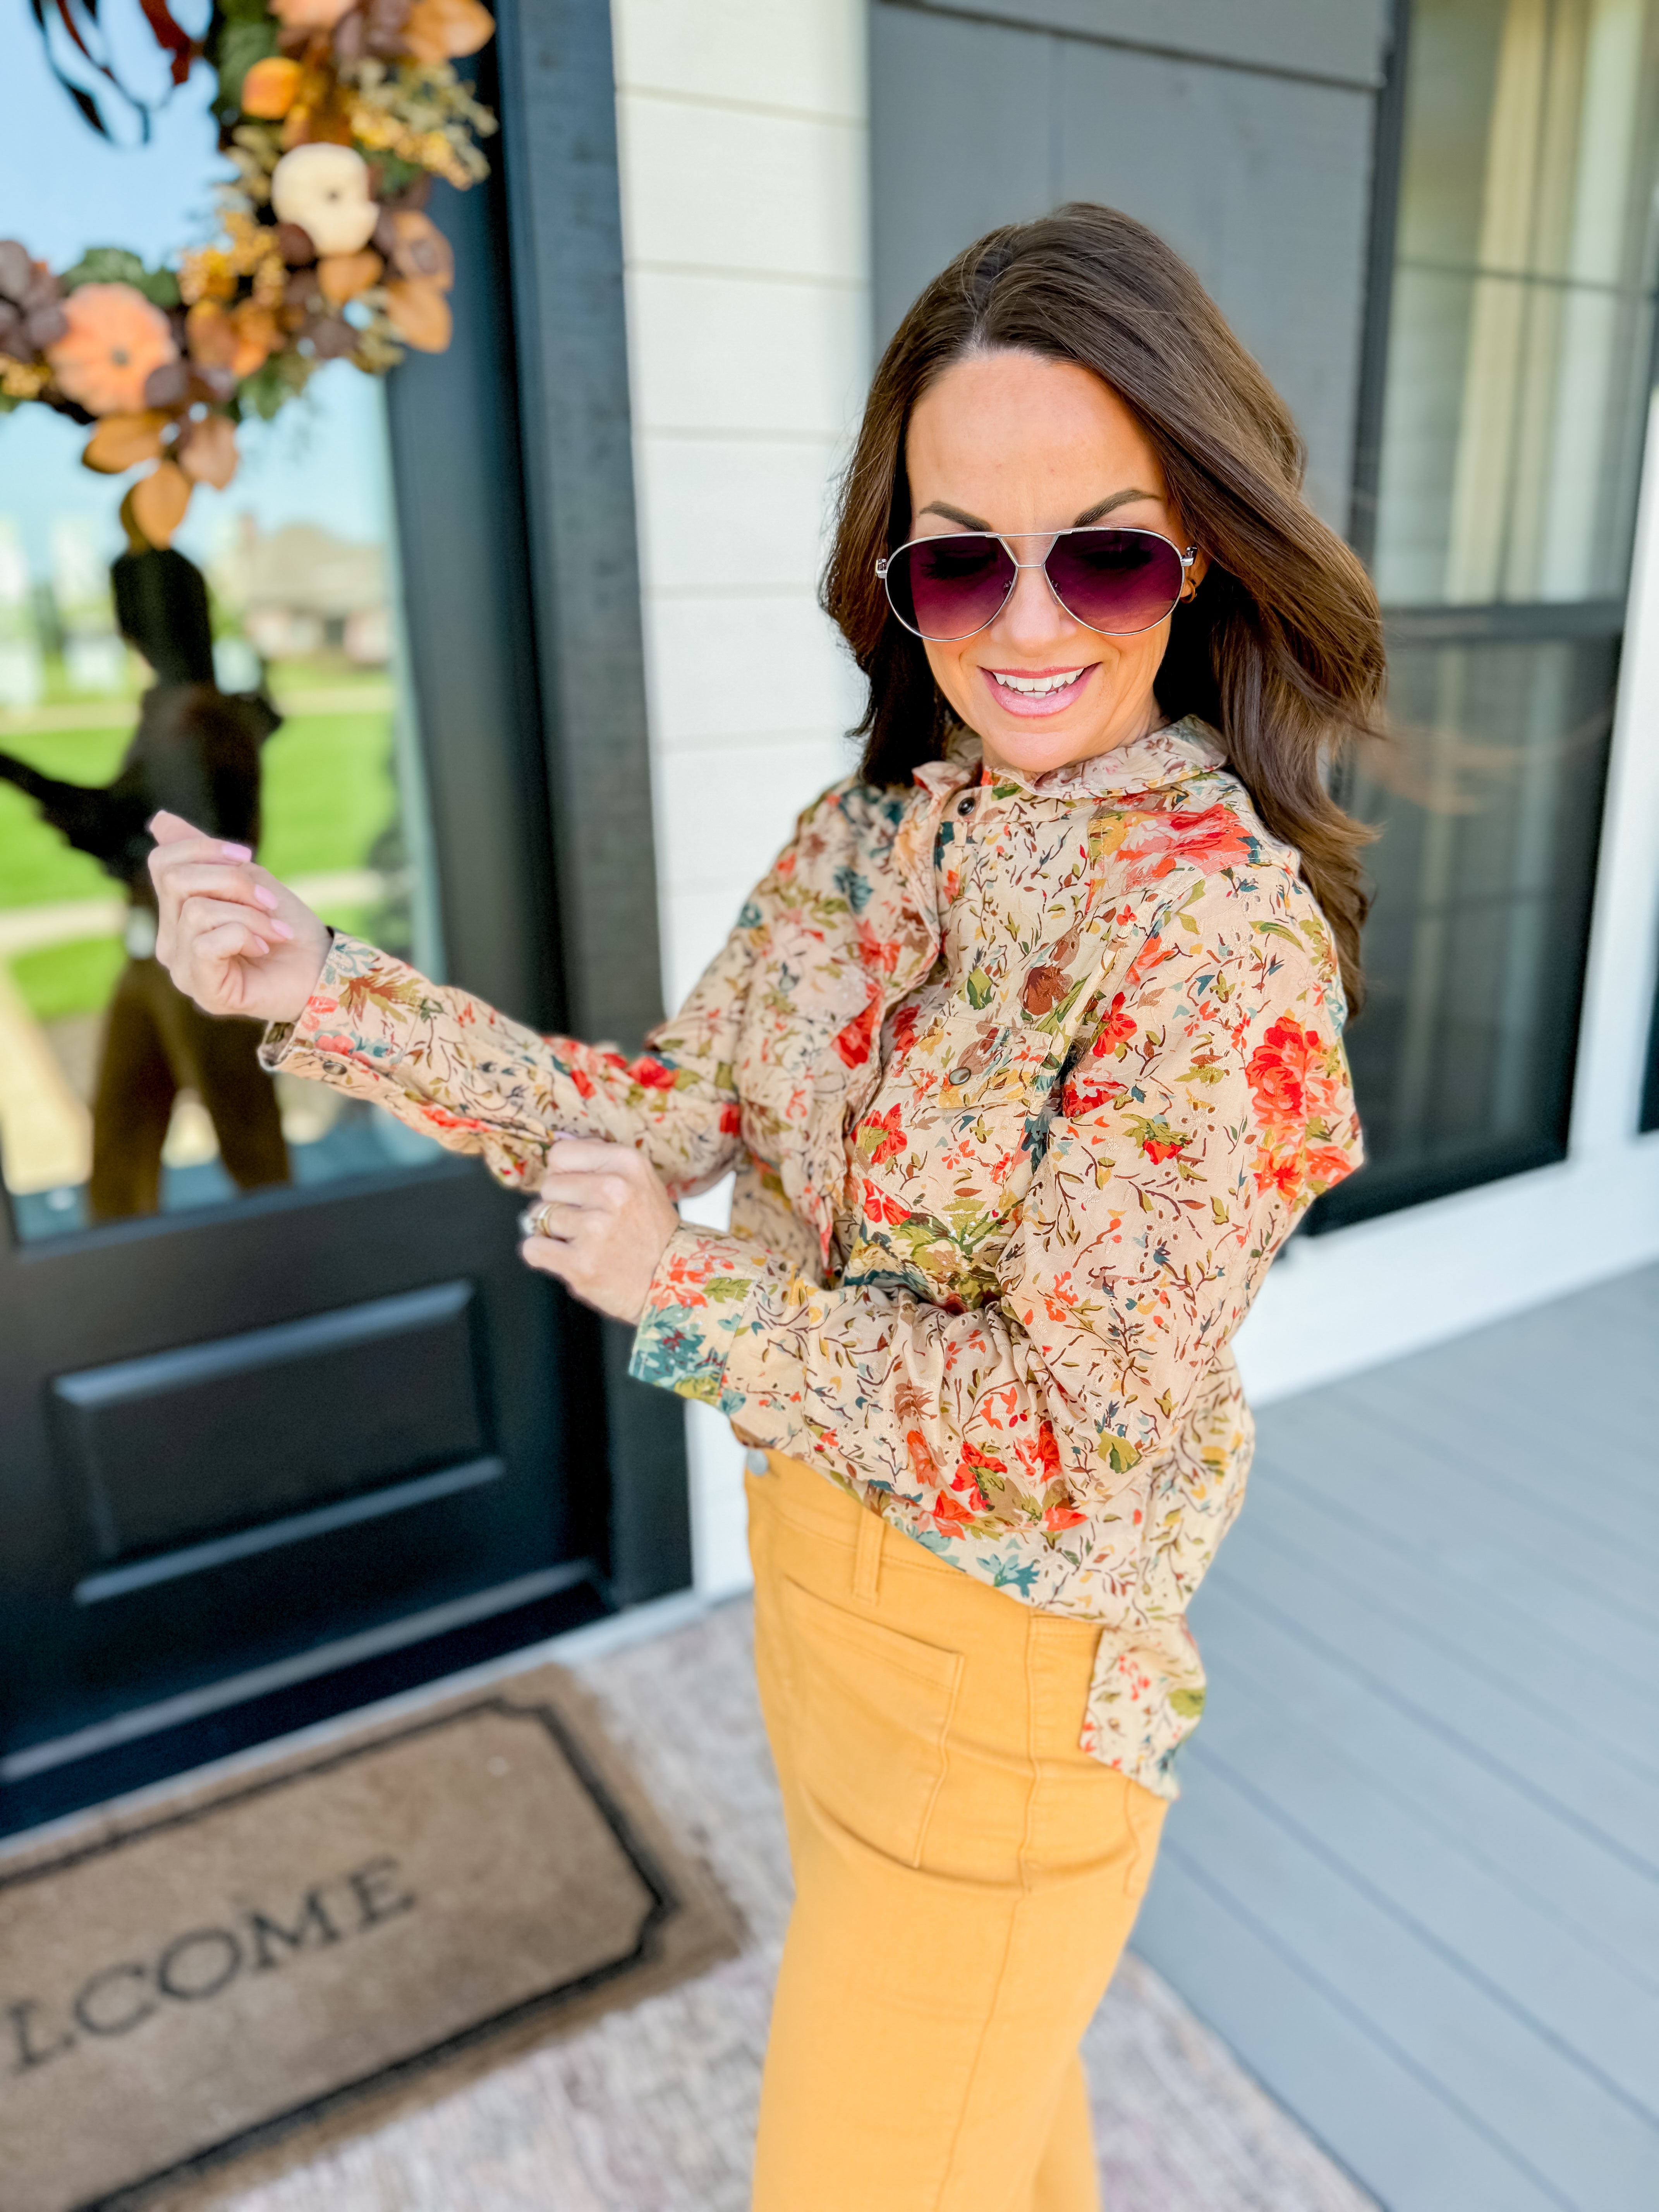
[1520, 328]
[1521, 332]
[1489, 799]
[114, 1097]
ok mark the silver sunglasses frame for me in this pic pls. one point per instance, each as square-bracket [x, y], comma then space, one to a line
[1002, 538]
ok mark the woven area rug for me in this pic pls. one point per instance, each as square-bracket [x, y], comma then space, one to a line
[301, 1951]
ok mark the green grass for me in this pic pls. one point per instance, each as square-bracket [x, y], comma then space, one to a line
[69, 978]
[328, 793]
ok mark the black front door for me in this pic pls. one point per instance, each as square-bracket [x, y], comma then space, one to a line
[266, 1452]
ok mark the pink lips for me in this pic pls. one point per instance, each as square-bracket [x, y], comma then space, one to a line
[1034, 706]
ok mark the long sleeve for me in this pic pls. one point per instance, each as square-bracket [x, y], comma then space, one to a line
[455, 1069]
[1206, 1106]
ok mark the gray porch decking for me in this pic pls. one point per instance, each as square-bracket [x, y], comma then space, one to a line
[1415, 1878]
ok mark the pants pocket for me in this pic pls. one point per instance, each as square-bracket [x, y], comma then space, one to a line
[871, 1709]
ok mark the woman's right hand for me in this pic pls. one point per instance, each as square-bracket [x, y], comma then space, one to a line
[231, 936]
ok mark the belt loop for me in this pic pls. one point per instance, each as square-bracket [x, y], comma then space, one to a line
[866, 1560]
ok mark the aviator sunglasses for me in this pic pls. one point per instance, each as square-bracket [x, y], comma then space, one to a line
[1116, 581]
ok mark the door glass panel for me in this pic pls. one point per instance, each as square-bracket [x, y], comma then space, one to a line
[1521, 334]
[115, 1096]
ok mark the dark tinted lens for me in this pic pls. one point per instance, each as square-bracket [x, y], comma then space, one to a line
[951, 587]
[1115, 580]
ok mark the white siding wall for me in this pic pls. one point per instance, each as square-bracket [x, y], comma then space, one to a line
[744, 163]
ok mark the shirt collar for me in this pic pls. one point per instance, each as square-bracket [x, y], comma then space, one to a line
[1187, 748]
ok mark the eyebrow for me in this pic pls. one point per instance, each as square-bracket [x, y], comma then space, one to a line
[1089, 513]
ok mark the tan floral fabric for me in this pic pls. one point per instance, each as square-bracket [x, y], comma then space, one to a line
[1024, 1084]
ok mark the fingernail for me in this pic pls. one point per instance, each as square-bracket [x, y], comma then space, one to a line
[279, 929]
[266, 898]
[237, 852]
[259, 945]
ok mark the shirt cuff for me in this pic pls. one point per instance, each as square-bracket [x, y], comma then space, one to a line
[695, 1310]
[356, 1023]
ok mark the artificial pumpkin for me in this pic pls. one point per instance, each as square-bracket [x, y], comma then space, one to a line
[325, 190]
[115, 338]
[443, 30]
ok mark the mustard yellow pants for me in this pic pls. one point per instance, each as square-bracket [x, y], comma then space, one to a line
[965, 1876]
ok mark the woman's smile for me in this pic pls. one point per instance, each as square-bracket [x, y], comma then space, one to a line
[1038, 691]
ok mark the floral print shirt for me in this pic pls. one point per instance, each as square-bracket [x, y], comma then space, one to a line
[1024, 1083]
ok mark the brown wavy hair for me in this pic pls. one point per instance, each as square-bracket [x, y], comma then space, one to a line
[1281, 649]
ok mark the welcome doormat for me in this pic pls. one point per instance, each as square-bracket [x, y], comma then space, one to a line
[268, 1962]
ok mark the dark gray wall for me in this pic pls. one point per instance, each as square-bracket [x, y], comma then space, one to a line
[1242, 130]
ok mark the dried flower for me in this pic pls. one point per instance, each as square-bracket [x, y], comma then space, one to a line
[114, 339]
[23, 379]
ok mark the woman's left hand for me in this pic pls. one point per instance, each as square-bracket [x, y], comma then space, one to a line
[601, 1225]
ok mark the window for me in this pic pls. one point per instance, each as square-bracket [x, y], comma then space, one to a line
[1515, 350]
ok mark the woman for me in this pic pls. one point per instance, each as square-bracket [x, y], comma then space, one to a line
[195, 750]
[1026, 1054]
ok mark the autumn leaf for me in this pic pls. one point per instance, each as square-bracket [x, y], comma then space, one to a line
[342, 276]
[159, 502]
[121, 441]
[419, 313]
[207, 451]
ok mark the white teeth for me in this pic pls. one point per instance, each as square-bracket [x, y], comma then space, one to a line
[1036, 687]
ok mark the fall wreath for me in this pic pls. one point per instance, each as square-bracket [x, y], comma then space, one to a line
[337, 115]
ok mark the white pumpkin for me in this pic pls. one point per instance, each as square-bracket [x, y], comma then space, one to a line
[325, 190]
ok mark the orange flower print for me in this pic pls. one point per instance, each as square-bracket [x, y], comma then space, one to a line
[923, 1465]
[853, 1041]
[889, 1146]
[1208, 840]
[1114, 1032]
[1157, 1139]
[878, 1208]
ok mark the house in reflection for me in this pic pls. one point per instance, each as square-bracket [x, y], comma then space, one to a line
[302, 590]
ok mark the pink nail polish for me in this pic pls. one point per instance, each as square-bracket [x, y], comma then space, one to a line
[237, 852]
[266, 898]
[279, 929]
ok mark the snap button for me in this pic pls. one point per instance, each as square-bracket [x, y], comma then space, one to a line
[965, 806]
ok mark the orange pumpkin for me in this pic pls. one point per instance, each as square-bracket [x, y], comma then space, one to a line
[270, 88]
[310, 14]
[441, 30]
[115, 337]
